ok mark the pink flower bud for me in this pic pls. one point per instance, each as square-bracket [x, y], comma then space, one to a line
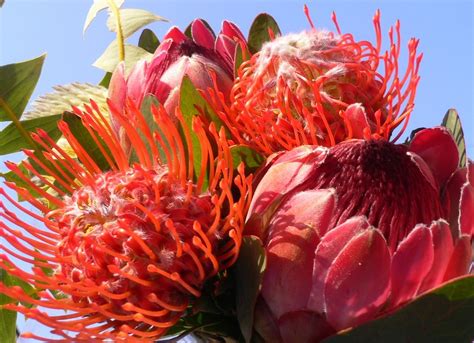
[358, 229]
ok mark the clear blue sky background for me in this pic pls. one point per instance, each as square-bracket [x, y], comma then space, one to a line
[29, 28]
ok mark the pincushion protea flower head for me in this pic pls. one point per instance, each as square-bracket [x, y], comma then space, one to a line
[130, 248]
[319, 87]
[356, 230]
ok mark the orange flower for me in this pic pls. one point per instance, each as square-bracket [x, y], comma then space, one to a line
[129, 248]
[320, 88]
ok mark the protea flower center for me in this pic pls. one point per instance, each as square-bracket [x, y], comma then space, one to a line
[125, 236]
[381, 181]
[293, 61]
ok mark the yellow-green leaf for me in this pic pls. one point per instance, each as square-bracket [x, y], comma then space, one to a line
[452, 122]
[110, 58]
[18, 82]
[96, 7]
[132, 20]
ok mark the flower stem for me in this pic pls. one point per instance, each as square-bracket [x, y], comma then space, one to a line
[120, 40]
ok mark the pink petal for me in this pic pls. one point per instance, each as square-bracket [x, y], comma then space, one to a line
[411, 263]
[225, 47]
[470, 171]
[466, 215]
[118, 87]
[451, 198]
[358, 282]
[424, 169]
[118, 92]
[202, 35]
[304, 326]
[330, 246]
[175, 34]
[231, 30]
[357, 117]
[438, 148]
[136, 82]
[460, 259]
[443, 248]
[294, 235]
[289, 170]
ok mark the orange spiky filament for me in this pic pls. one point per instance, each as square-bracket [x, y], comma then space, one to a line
[130, 248]
[320, 88]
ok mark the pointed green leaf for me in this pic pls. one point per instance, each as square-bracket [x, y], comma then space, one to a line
[110, 58]
[193, 104]
[148, 41]
[86, 140]
[106, 80]
[18, 82]
[12, 141]
[239, 59]
[259, 34]
[242, 153]
[96, 7]
[132, 20]
[444, 314]
[249, 270]
[64, 97]
[146, 109]
[452, 122]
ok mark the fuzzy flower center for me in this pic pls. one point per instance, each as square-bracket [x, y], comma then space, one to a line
[125, 236]
[380, 180]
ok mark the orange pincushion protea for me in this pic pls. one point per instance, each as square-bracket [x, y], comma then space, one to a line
[129, 248]
[318, 87]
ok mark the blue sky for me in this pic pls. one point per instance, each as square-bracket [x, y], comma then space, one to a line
[445, 28]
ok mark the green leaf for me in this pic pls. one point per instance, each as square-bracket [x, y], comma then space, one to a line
[18, 82]
[64, 97]
[442, 315]
[110, 58]
[258, 33]
[86, 140]
[7, 325]
[148, 102]
[132, 20]
[148, 41]
[452, 122]
[106, 80]
[242, 153]
[193, 104]
[239, 59]
[12, 141]
[8, 318]
[96, 7]
[249, 270]
[12, 177]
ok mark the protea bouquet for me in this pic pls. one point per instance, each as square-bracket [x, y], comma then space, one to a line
[232, 188]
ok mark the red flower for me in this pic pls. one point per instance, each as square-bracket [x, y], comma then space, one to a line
[358, 229]
[176, 57]
[318, 87]
[130, 248]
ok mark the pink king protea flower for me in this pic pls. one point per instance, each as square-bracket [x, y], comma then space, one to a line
[124, 251]
[318, 87]
[356, 230]
[200, 58]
